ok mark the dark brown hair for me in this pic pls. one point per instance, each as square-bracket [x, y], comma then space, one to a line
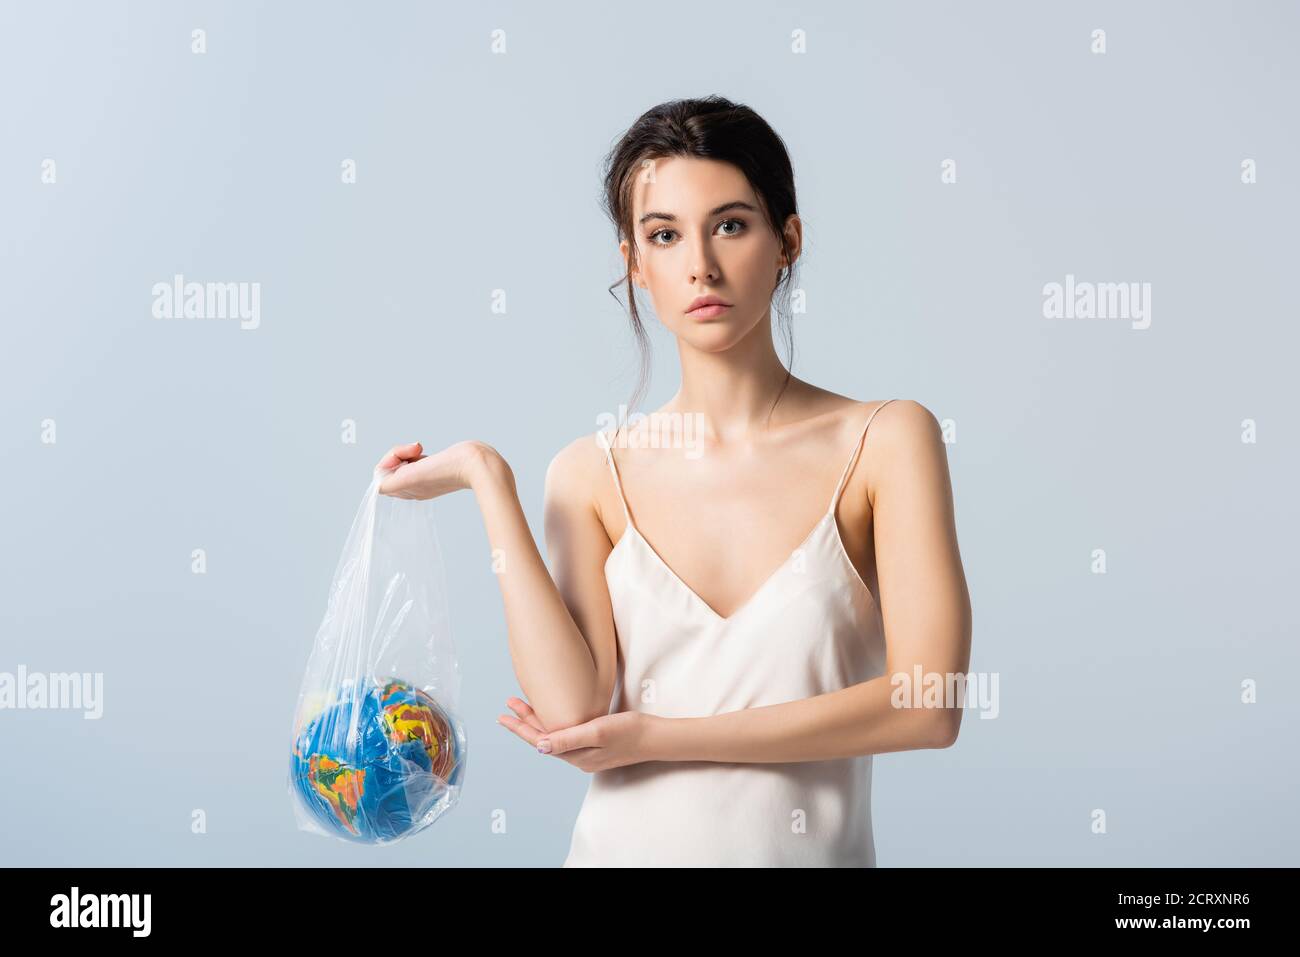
[711, 128]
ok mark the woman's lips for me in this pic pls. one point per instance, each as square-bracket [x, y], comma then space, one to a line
[708, 312]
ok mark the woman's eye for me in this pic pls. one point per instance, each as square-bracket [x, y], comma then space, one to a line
[739, 223]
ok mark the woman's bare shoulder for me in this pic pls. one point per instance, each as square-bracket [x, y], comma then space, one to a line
[898, 419]
[574, 468]
[904, 444]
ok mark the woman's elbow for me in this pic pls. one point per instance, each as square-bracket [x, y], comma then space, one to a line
[941, 727]
[595, 709]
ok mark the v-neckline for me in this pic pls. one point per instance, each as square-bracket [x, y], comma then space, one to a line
[631, 529]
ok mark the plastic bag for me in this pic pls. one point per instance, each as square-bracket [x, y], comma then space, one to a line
[378, 751]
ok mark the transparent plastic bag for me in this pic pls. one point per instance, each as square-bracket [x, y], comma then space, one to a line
[378, 750]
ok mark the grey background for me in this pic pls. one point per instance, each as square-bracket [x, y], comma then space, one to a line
[478, 172]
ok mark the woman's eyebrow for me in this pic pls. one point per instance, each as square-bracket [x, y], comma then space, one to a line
[734, 204]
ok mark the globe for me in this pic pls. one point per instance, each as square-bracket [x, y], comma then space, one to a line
[380, 762]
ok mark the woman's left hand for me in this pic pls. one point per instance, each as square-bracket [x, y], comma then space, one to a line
[610, 741]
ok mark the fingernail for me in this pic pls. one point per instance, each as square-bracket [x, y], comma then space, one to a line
[544, 747]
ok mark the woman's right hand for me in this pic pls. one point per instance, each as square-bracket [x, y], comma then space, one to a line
[411, 474]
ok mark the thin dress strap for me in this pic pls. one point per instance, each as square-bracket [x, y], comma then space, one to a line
[613, 470]
[835, 499]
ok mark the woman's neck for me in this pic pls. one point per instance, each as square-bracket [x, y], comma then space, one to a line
[734, 390]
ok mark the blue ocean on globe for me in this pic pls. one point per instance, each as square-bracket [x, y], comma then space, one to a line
[381, 762]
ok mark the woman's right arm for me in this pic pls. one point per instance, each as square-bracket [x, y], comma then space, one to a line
[560, 630]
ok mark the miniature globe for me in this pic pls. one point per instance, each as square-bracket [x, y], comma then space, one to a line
[380, 762]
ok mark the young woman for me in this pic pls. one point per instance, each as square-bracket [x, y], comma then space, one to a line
[717, 639]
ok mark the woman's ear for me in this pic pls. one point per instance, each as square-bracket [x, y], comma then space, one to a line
[793, 233]
[624, 250]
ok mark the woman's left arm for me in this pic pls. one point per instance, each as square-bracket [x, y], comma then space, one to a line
[926, 610]
[925, 606]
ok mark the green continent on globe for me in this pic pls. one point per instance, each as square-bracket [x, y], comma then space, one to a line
[411, 715]
[340, 785]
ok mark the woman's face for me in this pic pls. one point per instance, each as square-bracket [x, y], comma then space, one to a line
[700, 231]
